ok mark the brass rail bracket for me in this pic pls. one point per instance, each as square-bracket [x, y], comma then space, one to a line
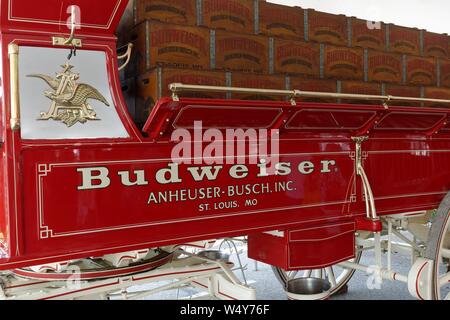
[67, 42]
[126, 56]
[359, 167]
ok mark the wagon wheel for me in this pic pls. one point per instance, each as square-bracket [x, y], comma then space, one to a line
[337, 276]
[438, 250]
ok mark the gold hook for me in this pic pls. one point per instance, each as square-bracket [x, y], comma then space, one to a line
[72, 27]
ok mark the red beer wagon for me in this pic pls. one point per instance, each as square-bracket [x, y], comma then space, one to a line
[92, 205]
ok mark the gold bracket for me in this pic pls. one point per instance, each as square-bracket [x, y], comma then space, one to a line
[67, 42]
[386, 102]
[175, 96]
[13, 53]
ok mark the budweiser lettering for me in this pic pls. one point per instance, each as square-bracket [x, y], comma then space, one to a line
[436, 45]
[366, 37]
[421, 71]
[299, 51]
[385, 60]
[257, 83]
[231, 7]
[356, 87]
[101, 177]
[361, 88]
[177, 7]
[404, 40]
[231, 44]
[445, 73]
[437, 93]
[313, 85]
[282, 17]
[241, 53]
[151, 5]
[385, 67]
[193, 79]
[344, 64]
[403, 91]
[169, 45]
[343, 55]
[362, 32]
[424, 65]
[247, 80]
[295, 57]
[327, 28]
[329, 22]
[173, 11]
[230, 15]
[281, 21]
[174, 174]
[162, 37]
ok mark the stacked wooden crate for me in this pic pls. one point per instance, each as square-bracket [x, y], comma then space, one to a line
[251, 43]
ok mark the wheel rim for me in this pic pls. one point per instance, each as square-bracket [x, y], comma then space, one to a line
[438, 250]
[442, 272]
[337, 276]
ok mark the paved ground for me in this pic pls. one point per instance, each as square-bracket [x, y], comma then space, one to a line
[268, 287]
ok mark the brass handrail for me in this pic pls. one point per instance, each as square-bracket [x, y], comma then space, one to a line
[180, 87]
[176, 88]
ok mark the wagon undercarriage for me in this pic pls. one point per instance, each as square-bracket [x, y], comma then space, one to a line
[95, 206]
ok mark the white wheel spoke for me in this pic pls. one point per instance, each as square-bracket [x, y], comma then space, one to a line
[331, 276]
[292, 275]
[317, 274]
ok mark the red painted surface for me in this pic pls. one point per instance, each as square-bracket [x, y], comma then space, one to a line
[45, 218]
[97, 17]
[307, 248]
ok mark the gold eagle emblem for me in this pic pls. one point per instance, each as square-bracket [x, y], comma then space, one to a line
[69, 99]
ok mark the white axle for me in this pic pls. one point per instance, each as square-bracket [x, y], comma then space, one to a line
[385, 274]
